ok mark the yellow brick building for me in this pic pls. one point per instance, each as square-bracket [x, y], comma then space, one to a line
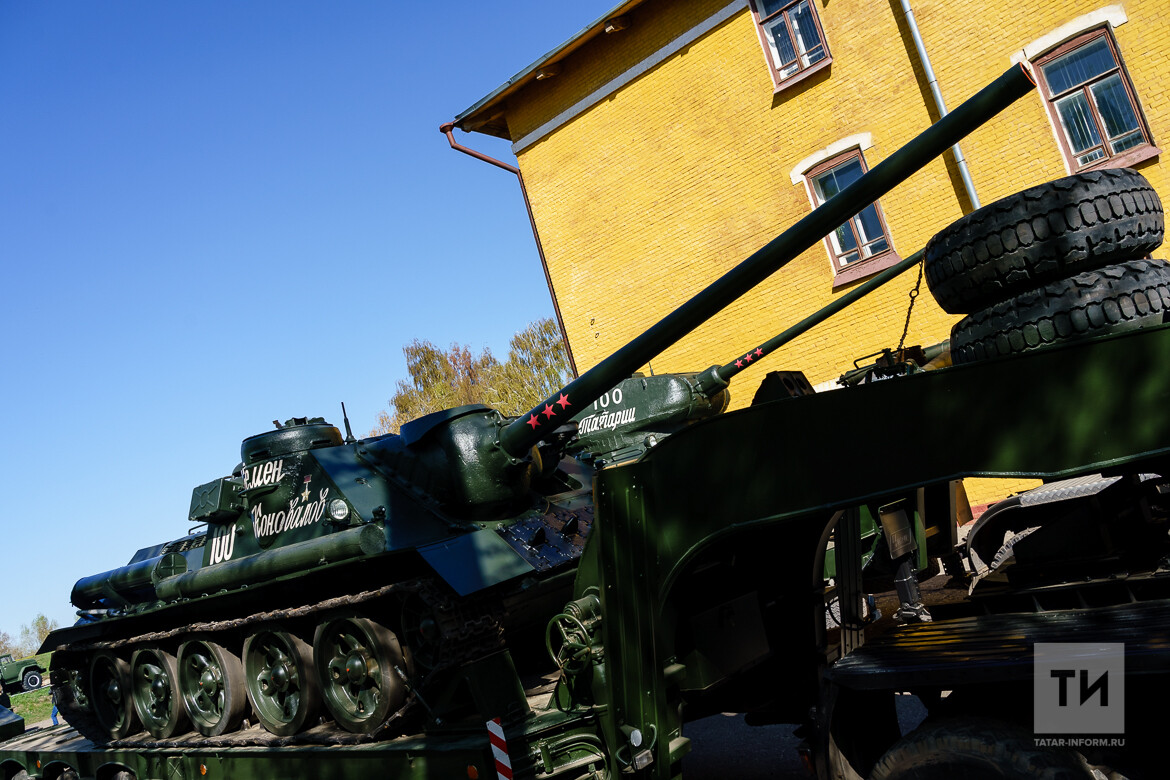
[672, 138]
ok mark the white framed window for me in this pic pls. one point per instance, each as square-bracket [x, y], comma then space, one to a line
[861, 246]
[1093, 105]
[865, 234]
[794, 42]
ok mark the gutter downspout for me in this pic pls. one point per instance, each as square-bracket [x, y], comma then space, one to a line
[924, 60]
[446, 129]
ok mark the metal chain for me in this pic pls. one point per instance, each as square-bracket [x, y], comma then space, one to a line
[910, 309]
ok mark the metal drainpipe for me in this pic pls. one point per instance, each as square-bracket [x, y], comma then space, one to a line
[924, 60]
[446, 129]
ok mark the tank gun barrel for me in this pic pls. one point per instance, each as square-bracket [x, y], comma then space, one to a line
[519, 436]
[719, 376]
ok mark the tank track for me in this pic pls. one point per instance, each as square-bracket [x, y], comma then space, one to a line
[466, 630]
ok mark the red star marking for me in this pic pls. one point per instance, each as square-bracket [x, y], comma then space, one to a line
[739, 364]
[748, 357]
[759, 351]
[563, 401]
[533, 422]
[548, 410]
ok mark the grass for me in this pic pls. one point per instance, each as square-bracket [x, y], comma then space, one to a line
[37, 705]
[43, 660]
[33, 706]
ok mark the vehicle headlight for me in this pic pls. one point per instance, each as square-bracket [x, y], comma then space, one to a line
[338, 509]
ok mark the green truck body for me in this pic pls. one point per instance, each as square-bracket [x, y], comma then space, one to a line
[20, 675]
[702, 586]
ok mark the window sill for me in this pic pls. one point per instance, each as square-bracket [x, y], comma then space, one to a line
[1126, 159]
[807, 73]
[856, 271]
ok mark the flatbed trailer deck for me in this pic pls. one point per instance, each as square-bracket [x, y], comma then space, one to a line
[548, 744]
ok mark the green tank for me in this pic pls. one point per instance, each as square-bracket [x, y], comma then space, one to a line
[336, 590]
[330, 577]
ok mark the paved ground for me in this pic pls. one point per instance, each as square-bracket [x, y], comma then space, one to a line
[726, 748]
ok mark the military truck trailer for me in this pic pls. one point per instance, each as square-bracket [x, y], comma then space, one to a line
[702, 584]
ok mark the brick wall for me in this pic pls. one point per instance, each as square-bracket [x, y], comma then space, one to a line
[648, 196]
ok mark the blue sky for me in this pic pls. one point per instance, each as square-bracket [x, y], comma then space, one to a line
[217, 214]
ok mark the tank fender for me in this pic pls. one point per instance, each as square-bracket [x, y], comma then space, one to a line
[475, 561]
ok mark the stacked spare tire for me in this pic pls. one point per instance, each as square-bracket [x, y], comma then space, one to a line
[1060, 261]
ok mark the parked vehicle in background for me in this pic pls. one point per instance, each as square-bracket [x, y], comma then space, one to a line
[19, 676]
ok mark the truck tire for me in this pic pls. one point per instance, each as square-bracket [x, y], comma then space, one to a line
[1046, 232]
[32, 680]
[975, 749]
[1119, 297]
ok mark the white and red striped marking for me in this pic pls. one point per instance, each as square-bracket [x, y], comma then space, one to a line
[500, 749]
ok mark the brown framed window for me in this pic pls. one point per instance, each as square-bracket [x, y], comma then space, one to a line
[793, 40]
[862, 245]
[1093, 104]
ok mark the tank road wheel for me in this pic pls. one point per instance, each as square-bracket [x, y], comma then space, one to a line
[1042, 234]
[211, 684]
[355, 660]
[156, 696]
[278, 671]
[110, 696]
[32, 680]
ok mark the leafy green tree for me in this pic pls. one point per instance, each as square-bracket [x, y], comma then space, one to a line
[537, 367]
[441, 379]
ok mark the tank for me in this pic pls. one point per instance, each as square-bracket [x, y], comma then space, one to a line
[347, 579]
[339, 590]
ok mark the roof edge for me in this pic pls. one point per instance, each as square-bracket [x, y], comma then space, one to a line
[465, 119]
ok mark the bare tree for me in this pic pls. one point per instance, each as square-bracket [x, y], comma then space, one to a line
[32, 636]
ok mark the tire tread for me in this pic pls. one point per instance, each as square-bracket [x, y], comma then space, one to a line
[1046, 232]
[1115, 298]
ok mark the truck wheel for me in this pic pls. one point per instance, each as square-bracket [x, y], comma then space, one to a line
[32, 680]
[1119, 297]
[975, 750]
[1063, 227]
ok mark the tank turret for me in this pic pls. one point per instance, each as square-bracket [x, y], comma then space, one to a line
[334, 587]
